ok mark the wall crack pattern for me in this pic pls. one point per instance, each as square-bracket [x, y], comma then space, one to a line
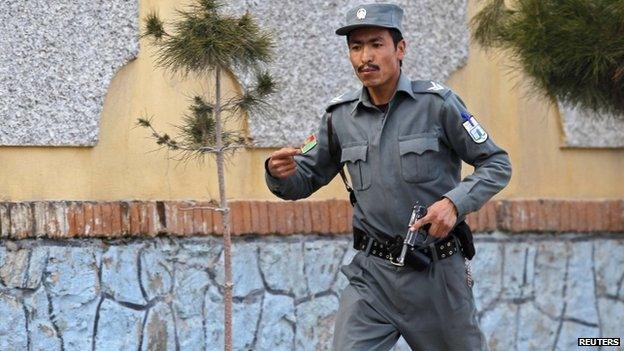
[533, 292]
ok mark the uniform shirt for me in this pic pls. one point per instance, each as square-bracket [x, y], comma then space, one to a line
[411, 152]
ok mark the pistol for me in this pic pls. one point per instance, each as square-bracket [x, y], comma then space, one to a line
[413, 239]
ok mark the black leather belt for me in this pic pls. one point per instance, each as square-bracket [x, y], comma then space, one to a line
[390, 249]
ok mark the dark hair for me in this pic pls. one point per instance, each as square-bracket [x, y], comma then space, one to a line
[394, 33]
[396, 38]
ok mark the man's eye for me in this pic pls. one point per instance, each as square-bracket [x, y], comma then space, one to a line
[377, 45]
[355, 48]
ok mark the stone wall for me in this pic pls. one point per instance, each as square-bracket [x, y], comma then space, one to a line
[581, 126]
[534, 291]
[58, 59]
[312, 64]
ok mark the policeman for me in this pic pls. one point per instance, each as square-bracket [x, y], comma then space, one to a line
[403, 142]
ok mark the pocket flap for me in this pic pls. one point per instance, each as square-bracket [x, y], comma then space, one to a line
[354, 153]
[418, 145]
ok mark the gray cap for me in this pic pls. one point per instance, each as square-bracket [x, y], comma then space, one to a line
[376, 15]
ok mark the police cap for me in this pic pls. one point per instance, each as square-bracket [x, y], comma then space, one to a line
[375, 15]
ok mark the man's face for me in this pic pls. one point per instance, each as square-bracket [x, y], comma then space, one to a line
[374, 57]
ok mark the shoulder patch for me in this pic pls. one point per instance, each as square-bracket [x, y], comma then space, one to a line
[309, 144]
[474, 129]
[430, 87]
[341, 99]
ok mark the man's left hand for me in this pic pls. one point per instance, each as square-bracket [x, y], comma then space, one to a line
[442, 216]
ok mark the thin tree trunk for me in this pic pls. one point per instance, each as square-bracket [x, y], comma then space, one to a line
[227, 239]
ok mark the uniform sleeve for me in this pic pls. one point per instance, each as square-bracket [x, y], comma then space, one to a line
[492, 168]
[315, 169]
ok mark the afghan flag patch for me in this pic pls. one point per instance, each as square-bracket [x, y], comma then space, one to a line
[308, 144]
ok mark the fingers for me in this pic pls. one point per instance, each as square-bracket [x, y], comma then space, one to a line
[421, 222]
[439, 230]
[441, 224]
[440, 216]
[289, 172]
[445, 217]
[283, 156]
[285, 153]
[282, 163]
[286, 169]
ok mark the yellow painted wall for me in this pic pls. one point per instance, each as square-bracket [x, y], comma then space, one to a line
[121, 166]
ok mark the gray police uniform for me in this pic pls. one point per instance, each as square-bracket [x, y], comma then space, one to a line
[410, 152]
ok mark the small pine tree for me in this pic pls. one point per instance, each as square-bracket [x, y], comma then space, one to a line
[204, 42]
[572, 49]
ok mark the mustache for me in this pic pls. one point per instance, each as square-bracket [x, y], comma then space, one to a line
[368, 65]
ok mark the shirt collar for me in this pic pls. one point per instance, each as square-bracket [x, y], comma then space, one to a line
[404, 85]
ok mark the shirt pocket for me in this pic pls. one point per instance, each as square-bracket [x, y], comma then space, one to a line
[418, 157]
[354, 155]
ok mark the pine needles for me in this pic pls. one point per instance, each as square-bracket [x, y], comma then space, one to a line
[201, 41]
[573, 49]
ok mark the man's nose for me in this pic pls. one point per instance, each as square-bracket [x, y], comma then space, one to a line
[367, 55]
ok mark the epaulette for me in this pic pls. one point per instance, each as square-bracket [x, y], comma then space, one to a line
[431, 87]
[341, 99]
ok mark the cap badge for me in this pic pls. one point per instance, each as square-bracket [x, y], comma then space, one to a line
[361, 14]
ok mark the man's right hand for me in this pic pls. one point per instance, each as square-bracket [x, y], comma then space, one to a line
[282, 162]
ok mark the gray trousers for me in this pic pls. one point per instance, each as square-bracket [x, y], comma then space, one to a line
[433, 310]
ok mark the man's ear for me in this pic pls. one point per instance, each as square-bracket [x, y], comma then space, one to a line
[401, 49]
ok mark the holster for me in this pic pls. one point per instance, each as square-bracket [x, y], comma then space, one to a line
[463, 233]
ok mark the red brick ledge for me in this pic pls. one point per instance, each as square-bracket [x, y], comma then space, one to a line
[72, 219]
